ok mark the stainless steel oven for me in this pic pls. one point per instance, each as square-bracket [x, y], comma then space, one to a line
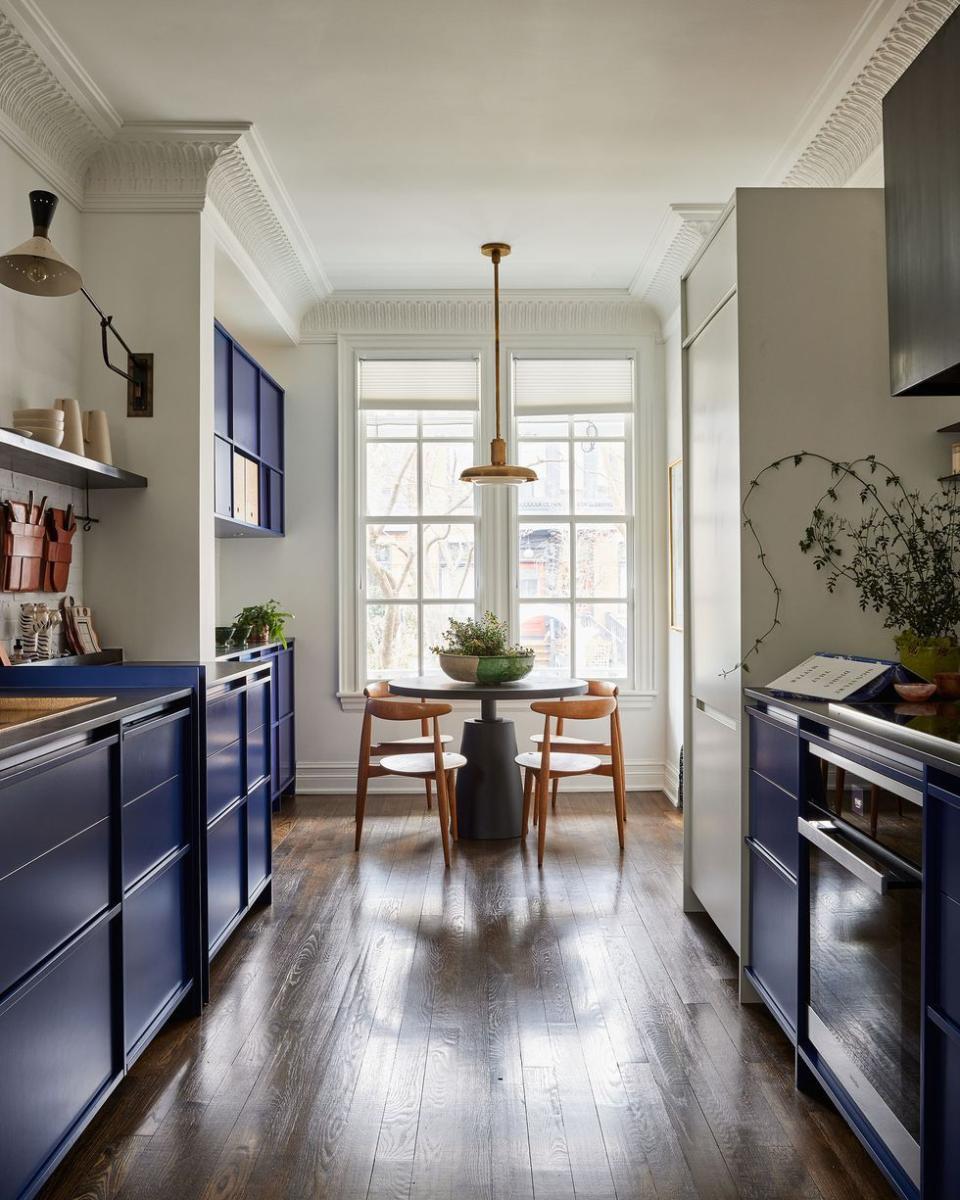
[864, 832]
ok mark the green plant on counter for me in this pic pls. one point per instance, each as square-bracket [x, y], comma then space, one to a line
[902, 554]
[265, 621]
[484, 637]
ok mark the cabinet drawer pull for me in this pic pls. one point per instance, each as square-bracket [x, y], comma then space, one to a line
[914, 795]
[825, 836]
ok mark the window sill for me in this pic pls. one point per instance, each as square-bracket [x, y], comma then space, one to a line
[629, 702]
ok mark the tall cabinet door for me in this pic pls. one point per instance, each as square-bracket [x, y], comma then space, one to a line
[713, 474]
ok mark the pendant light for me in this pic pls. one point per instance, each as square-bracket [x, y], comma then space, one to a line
[498, 470]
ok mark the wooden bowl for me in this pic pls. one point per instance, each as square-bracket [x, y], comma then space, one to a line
[915, 693]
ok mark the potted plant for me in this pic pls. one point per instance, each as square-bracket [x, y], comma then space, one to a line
[901, 553]
[265, 623]
[479, 652]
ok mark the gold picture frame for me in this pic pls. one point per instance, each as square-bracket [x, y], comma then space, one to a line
[675, 541]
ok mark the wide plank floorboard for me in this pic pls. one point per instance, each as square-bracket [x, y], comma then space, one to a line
[386, 1031]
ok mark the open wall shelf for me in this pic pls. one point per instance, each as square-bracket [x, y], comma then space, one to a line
[30, 457]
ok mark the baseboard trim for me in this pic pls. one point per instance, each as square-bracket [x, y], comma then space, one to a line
[671, 783]
[340, 778]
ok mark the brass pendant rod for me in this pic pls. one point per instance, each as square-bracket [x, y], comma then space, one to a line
[496, 334]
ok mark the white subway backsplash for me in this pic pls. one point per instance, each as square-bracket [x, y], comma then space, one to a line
[17, 487]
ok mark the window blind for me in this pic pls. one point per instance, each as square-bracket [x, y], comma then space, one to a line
[408, 383]
[573, 385]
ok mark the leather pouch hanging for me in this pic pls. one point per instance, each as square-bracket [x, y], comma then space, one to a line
[57, 549]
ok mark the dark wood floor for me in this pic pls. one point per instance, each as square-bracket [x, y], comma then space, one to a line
[386, 1030]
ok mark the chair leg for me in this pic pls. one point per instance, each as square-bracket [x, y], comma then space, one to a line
[619, 803]
[444, 811]
[452, 803]
[361, 805]
[553, 794]
[429, 786]
[543, 783]
[527, 789]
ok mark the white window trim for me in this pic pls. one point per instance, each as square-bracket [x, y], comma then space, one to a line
[496, 578]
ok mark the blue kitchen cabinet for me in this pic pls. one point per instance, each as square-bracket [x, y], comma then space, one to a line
[282, 734]
[99, 942]
[238, 775]
[248, 446]
[773, 936]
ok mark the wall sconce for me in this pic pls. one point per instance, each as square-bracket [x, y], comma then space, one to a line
[36, 268]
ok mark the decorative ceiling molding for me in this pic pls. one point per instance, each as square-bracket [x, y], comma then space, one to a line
[611, 313]
[157, 167]
[679, 237]
[53, 114]
[851, 132]
[46, 122]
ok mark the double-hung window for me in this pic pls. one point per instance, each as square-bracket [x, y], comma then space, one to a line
[575, 526]
[418, 522]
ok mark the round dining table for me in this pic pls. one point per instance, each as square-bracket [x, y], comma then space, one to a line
[489, 789]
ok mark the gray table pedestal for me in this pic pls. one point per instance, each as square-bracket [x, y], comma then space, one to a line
[489, 789]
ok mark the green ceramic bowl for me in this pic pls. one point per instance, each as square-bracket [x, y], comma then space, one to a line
[488, 669]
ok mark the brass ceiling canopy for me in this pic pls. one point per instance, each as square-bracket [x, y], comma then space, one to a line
[499, 470]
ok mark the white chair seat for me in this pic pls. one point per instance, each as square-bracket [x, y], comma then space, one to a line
[420, 764]
[561, 764]
[561, 739]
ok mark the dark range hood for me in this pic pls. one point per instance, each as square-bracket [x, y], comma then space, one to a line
[921, 149]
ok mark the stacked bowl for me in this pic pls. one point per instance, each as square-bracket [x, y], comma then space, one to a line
[44, 424]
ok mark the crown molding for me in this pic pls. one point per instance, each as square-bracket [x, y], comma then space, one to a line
[48, 123]
[54, 115]
[679, 236]
[470, 313]
[842, 128]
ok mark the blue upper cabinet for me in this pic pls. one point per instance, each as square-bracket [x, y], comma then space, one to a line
[248, 446]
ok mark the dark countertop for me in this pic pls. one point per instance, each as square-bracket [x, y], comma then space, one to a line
[930, 731]
[225, 653]
[118, 704]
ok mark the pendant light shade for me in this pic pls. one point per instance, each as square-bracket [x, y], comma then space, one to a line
[36, 267]
[498, 471]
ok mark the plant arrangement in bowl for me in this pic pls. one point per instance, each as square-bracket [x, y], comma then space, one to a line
[901, 553]
[479, 652]
[265, 623]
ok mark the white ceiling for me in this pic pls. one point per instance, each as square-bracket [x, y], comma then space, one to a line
[407, 132]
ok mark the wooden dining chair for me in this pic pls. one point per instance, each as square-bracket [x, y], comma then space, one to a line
[541, 767]
[560, 741]
[380, 690]
[432, 763]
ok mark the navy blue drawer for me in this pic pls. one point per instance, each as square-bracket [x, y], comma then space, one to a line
[152, 753]
[948, 966]
[224, 720]
[775, 753]
[154, 946]
[225, 893]
[284, 682]
[941, 1149]
[225, 779]
[258, 754]
[154, 825]
[773, 934]
[773, 821]
[259, 808]
[946, 847]
[258, 706]
[42, 807]
[48, 900]
[55, 1056]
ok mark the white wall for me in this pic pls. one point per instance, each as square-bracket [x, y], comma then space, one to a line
[39, 355]
[151, 575]
[300, 570]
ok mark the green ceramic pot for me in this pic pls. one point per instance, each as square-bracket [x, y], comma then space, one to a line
[928, 657]
[489, 669]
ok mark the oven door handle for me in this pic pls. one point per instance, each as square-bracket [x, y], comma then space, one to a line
[825, 836]
[914, 795]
